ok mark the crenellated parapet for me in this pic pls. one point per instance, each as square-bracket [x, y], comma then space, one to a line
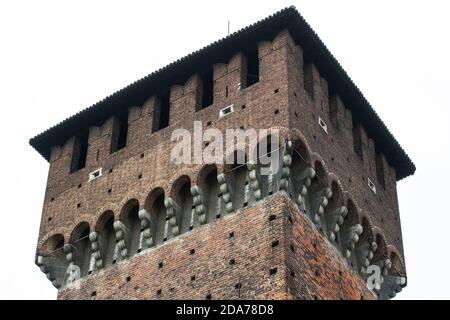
[195, 205]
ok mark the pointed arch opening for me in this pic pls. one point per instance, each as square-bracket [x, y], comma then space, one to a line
[317, 196]
[181, 193]
[268, 155]
[301, 173]
[82, 245]
[155, 206]
[208, 184]
[381, 254]
[237, 177]
[130, 218]
[106, 237]
[397, 268]
[349, 233]
[53, 259]
[335, 213]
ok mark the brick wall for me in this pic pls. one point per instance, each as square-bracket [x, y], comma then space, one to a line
[258, 244]
[290, 95]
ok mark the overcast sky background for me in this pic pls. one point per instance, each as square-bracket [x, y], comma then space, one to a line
[57, 58]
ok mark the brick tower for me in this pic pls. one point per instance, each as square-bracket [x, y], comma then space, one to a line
[120, 220]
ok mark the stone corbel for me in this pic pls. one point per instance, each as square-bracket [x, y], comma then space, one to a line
[70, 252]
[225, 193]
[146, 239]
[319, 202]
[199, 207]
[46, 267]
[391, 286]
[350, 238]
[365, 253]
[172, 210]
[304, 182]
[122, 234]
[254, 180]
[334, 221]
[96, 262]
[286, 167]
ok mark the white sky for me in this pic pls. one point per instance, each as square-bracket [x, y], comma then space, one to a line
[56, 59]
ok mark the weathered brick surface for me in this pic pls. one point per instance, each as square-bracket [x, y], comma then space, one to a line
[254, 254]
[279, 100]
[315, 269]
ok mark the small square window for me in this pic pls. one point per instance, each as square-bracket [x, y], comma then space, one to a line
[226, 111]
[323, 125]
[95, 174]
[371, 186]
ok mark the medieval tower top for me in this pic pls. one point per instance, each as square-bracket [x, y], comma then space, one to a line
[122, 220]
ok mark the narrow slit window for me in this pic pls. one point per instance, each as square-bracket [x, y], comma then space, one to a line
[208, 89]
[79, 153]
[162, 112]
[308, 79]
[252, 72]
[120, 133]
[357, 140]
[380, 170]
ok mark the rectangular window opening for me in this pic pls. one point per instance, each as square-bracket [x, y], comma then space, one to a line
[79, 153]
[120, 133]
[162, 112]
[95, 174]
[252, 72]
[208, 88]
[357, 141]
[380, 170]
